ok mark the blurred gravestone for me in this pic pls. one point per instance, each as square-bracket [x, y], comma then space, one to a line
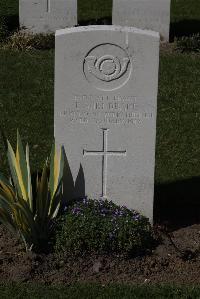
[144, 14]
[46, 16]
[106, 81]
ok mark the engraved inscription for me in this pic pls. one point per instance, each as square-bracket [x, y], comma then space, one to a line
[104, 154]
[107, 67]
[107, 110]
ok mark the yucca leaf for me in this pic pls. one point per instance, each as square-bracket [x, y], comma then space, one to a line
[16, 173]
[55, 202]
[6, 215]
[7, 223]
[56, 168]
[16, 197]
[51, 178]
[4, 179]
[24, 208]
[30, 194]
[42, 200]
[7, 191]
[5, 205]
[21, 161]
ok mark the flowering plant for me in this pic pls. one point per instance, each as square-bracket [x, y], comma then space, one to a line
[102, 226]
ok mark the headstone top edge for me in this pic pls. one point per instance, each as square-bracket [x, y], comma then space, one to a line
[107, 28]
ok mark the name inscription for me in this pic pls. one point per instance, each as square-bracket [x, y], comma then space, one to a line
[119, 110]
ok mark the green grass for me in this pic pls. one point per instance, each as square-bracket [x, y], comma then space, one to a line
[185, 10]
[95, 291]
[178, 133]
[94, 9]
[26, 97]
[9, 7]
[26, 102]
[87, 9]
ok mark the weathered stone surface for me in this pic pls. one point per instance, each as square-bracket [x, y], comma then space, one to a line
[144, 14]
[46, 16]
[106, 81]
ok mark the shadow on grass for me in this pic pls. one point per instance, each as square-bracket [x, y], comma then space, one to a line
[184, 28]
[177, 204]
[12, 22]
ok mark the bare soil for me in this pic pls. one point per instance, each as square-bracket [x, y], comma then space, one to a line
[176, 259]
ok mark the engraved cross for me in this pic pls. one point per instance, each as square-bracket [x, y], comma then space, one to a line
[104, 154]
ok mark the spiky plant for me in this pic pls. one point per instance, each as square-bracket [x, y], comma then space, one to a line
[22, 213]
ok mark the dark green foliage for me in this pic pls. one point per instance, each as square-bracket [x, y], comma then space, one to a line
[94, 10]
[189, 44]
[102, 226]
[3, 29]
[184, 10]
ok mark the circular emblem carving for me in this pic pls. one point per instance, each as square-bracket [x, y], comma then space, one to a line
[107, 67]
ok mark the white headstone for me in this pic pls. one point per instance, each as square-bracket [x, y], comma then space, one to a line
[106, 81]
[46, 16]
[144, 14]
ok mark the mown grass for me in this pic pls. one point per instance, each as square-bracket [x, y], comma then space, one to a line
[185, 10]
[95, 9]
[9, 7]
[26, 97]
[96, 291]
[178, 133]
[26, 102]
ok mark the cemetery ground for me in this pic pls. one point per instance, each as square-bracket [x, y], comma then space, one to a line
[26, 103]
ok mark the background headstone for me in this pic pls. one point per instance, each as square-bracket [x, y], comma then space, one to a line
[106, 81]
[144, 14]
[45, 16]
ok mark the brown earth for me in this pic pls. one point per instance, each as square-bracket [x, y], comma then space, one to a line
[175, 259]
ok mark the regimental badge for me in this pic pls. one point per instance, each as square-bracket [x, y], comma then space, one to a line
[107, 67]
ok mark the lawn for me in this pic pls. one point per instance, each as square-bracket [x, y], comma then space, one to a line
[26, 97]
[26, 100]
[181, 10]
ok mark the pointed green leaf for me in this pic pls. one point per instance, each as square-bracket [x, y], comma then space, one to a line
[21, 161]
[4, 179]
[51, 178]
[42, 200]
[15, 171]
[30, 195]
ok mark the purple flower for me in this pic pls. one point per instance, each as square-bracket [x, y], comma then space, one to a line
[104, 211]
[85, 201]
[136, 217]
[76, 211]
[124, 207]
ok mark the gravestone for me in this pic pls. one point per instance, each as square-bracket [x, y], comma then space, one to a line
[46, 16]
[106, 81]
[144, 14]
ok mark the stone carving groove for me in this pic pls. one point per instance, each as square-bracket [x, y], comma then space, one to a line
[107, 66]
